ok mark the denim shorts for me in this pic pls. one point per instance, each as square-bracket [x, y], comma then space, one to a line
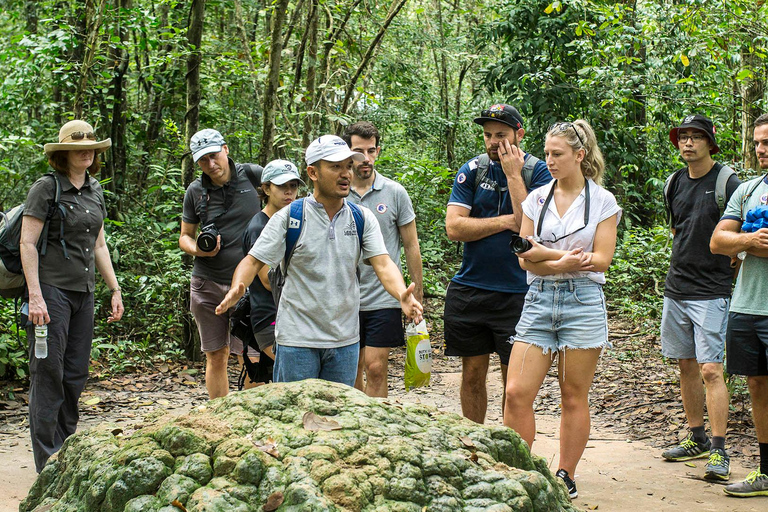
[694, 329]
[331, 364]
[564, 313]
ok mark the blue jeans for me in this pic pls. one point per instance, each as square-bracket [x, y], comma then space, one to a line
[331, 364]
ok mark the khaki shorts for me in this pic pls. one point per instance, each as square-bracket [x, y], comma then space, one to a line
[204, 296]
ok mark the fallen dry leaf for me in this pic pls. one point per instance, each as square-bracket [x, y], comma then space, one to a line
[178, 505]
[273, 502]
[92, 401]
[466, 441]
[314, 422]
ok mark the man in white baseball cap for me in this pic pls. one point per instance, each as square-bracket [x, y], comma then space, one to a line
[317, 330]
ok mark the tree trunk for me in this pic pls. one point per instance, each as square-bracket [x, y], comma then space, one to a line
[91, 23]
[120, 57]
[191, 118]
[30, 7]
[273, 77]
[752, 91]
[310, 116]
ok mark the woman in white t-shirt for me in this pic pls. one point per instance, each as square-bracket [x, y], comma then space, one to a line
[570, 225]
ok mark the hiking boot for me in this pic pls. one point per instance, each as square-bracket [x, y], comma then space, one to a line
[569, 483]
[718, 465]
[756, 484]
[687, 450]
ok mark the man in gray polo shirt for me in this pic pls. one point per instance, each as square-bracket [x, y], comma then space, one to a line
[381, 323]
[317, 329]
[223, 197]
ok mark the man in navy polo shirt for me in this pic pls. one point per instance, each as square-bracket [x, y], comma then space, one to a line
[484, 300]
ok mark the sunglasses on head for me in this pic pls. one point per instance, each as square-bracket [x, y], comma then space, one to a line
[81, 136]
[562, 127]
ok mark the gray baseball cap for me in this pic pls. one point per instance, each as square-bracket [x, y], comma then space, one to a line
[280, 172]
[204, 142]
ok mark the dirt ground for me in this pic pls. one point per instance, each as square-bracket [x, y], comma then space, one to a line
[634, 405]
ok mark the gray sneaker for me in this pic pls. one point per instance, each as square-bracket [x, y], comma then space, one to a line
[756, 484]
[687, 450]
[718, 465]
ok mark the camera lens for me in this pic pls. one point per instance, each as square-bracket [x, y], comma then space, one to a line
[207, 239]
[519, 244]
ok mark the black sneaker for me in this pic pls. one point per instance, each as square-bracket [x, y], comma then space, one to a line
[569, 483]
[718, 466]
[688, 449]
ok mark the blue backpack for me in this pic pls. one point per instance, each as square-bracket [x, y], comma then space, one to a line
[278, 274]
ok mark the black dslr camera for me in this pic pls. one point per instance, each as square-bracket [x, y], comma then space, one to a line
[519, 244]
[206, 240]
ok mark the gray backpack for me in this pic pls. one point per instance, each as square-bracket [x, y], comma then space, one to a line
[724, 174]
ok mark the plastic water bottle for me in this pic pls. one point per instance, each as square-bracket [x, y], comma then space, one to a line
[41, 341]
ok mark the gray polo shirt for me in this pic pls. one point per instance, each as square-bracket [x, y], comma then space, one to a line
[85, 214]
[392, 207]
[231, 224]
[321, 297]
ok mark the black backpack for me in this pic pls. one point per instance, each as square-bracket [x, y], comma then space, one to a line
[240, 326]
[12, 281]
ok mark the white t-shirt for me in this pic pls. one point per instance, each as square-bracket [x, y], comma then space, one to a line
[602, 205]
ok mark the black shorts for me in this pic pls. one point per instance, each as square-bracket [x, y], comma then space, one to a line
[746, 345]
[478, 322]
[382, 328]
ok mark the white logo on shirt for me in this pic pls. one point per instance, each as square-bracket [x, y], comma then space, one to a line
[381, 208]
[709, 192]
[293, 223]
[461, 178]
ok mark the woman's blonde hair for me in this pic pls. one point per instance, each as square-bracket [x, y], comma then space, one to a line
[579, 134]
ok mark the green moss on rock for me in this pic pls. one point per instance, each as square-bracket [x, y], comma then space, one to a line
[238, 452]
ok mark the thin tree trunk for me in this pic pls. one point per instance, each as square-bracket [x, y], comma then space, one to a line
[352, 83]
[30, 8]
[191, 119]
[273, 77]
[91, 26]
[752, 91]
[310, 116]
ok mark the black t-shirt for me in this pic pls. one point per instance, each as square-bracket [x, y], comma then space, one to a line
[694, 272]
[263, 310]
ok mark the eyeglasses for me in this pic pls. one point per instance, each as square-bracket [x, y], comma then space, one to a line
[696, 137]
[80, 136]
[562, 127]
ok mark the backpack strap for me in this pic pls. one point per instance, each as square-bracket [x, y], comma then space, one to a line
[528, 167]
[723, 176]
[52, 210]
[667, 196]
[253, 172]
[483, 162]
[295, 224]
[357, 214]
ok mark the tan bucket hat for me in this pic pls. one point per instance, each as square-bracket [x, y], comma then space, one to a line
[76, 135]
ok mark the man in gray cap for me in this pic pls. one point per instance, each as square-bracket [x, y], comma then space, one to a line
[484, 300]
[697, 292]
[217, 208]
[318, 242]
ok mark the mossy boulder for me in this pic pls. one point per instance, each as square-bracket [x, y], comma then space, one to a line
[259, 450]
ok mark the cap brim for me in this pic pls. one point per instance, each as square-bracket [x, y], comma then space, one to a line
[202, 152]
[285, 178]
[340, 156]
[482, 120]
[98, 146]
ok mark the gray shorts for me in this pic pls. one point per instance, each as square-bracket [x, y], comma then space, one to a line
[694, 329]
[265, 337]
[204, 296]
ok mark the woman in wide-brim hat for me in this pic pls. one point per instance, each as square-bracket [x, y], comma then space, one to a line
[61, 280]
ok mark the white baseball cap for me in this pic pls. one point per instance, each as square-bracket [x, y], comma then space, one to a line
[331, 148]
[280, 172]
[204, 142]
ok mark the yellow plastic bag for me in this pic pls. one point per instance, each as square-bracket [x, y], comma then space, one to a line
[418, 356]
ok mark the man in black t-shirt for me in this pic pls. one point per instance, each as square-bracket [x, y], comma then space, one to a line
[697, 294]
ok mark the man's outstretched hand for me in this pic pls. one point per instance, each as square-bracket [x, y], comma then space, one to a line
[233, 295]
[411, 307]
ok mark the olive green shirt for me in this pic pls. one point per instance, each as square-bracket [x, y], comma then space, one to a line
[84, 213]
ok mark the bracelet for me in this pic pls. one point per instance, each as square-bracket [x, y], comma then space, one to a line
[115, 289]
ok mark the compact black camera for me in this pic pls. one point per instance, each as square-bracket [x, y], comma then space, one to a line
[206, 240]
[518, 244]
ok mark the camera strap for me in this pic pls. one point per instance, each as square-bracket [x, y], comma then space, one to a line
[545, 207]
[229, 197]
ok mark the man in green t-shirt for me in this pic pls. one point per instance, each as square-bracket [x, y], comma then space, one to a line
[747, 335]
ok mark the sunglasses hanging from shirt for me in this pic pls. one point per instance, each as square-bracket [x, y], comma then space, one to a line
[546, 206]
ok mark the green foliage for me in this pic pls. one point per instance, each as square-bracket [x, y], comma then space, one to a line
[635, 280]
